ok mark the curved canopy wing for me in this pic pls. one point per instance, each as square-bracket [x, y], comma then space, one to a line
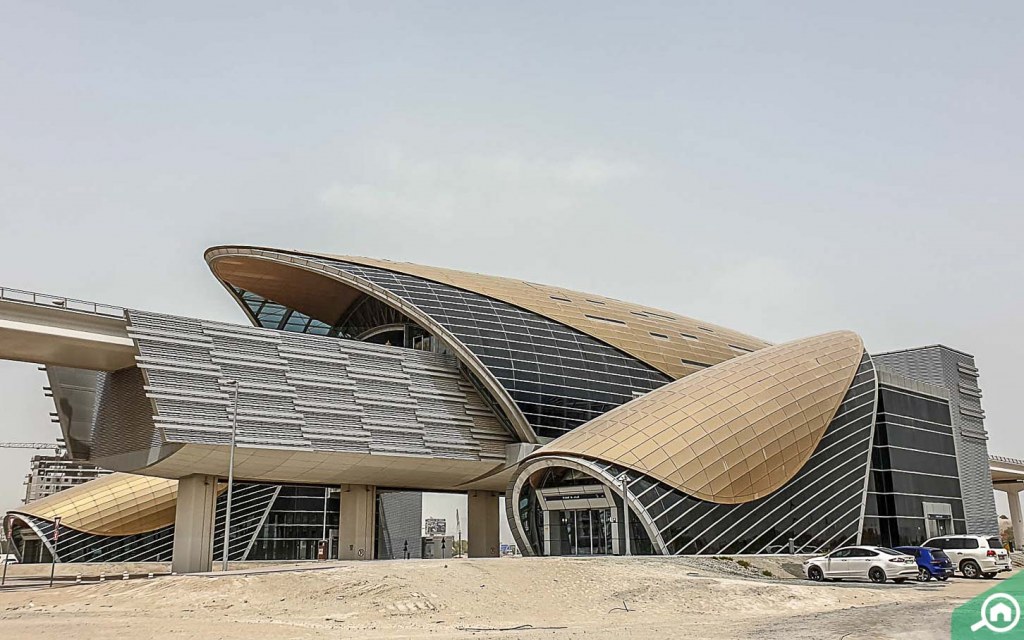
[732, 433]
[118, 504]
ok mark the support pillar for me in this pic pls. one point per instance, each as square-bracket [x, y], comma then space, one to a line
[484, 524]
[357, 525]
[1013, 497]
[193, 524]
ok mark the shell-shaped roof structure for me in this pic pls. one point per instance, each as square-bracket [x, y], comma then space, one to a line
[551, 358]
[672, 343]
[118, 504]
[733, 433]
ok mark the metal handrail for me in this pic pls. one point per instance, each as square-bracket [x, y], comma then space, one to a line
[1016, 461]
[60, 302]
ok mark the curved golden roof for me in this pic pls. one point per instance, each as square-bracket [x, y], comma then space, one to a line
[671, 343]
[118, 504]
[661, 339]
[733, 433]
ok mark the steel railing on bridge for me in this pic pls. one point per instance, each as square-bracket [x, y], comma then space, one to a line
[1006, 460]
[60, 302]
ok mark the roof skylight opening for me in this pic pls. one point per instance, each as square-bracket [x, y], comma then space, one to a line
[608, 320]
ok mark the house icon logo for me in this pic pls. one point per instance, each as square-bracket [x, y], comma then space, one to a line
[999, 613]
[996, 613]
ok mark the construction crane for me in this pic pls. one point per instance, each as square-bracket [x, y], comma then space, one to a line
[32, 445]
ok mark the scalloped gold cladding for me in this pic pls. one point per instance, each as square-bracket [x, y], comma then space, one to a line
[119, 504]
[733, 433]
[661, 339]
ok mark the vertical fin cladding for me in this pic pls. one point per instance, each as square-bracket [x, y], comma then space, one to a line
[246, 267]
[734, 432]
[613, 350]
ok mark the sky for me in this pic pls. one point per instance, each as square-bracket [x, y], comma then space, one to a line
[783, 169]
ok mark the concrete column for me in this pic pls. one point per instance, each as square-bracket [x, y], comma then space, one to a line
[546, 546]
[484, 524]
[1013, 497]
[193, 524]
[357, 522]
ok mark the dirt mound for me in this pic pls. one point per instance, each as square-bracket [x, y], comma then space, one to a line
[596, 597]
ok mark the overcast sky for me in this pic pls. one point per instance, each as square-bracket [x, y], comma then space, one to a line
[783, 169]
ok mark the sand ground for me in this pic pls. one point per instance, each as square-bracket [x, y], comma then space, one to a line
[559, 597]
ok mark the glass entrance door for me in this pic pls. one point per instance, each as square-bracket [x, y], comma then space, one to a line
[590, 531]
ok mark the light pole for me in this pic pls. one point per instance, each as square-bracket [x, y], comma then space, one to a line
[53, 554]
[624, 479]
[458, 532]
[231, 477]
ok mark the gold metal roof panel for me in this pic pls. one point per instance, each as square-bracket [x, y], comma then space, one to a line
[630, 330]
[118, 504]
[723, 448]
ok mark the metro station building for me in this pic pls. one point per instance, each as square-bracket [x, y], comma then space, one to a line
[365, 377]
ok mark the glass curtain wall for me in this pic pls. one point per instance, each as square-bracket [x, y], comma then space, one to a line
[914, 489]
[558, 376]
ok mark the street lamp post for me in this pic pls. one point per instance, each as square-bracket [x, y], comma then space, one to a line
[624, 480]
[231, 478]
[53, 555]
[458, 532]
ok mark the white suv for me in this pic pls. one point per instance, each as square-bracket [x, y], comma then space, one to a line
[973, 556]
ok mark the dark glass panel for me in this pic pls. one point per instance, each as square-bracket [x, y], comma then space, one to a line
[579, 377]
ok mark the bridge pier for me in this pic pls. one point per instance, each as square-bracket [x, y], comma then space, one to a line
[193, 524]
[357, 526]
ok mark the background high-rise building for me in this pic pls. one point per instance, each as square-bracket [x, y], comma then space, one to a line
[52, 474]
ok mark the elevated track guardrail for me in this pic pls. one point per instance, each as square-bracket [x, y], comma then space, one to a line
[59, 302]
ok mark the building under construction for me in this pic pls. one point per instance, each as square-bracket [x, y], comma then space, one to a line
[52, 474]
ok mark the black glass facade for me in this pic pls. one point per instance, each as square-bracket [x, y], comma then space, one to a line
[914, 489]
[295, 524]
[557, 376]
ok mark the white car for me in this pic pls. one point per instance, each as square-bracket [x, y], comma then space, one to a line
[973, 556]
[876, 564]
